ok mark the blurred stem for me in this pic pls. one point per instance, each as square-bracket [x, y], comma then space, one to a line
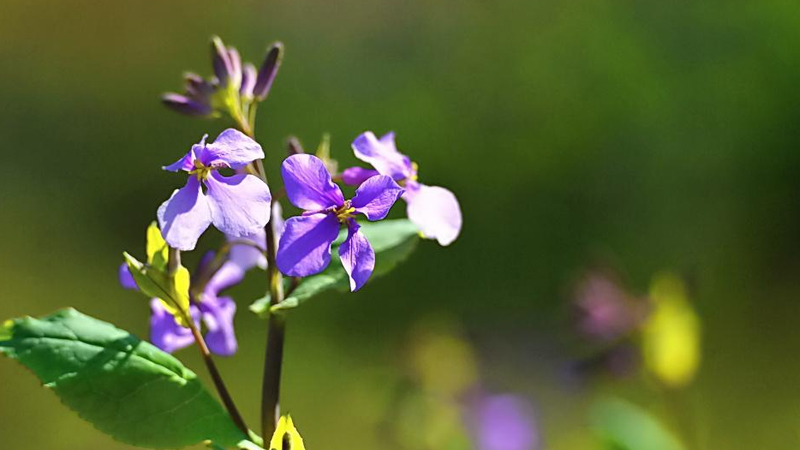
[675, 400]
[173, 265]
[276, 324]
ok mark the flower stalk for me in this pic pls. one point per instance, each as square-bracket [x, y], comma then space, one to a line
[174, 262]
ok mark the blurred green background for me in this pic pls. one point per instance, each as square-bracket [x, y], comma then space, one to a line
[648, 135]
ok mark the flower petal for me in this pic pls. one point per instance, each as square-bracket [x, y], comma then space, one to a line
[357, 256]
[382, 155]
[435, 211]
[308, 183]
[354, 176]
[375, 197]
[165, 333]
[218, 316]
[232, 148]
[186, 105]
[247, 256]
[239, 204]
[185, 216]
[228, 275]
[186, 163]
[249, 75]
[305, 247]
[126, 278]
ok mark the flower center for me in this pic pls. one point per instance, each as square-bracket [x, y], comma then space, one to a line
[412, 177]
[201, 171]
[344, 212]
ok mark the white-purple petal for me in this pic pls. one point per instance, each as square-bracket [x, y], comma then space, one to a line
[375, 197]
[231, 148]
[357, 255]
[239, 204]
[165, 333]
[308, 183]
[435, 211]
[305, 247]
[185, 216]
[218, 316]
[247, 256]
[382, 155]
[354, 176]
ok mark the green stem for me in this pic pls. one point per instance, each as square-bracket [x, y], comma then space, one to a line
[173, 265]
[276, 325]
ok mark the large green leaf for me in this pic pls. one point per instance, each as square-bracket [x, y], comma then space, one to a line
[126, 387]
[623, 426]
[392, 240]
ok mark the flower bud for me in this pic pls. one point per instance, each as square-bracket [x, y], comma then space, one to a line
[220, 59]
[293, 146]
[249, 75]
[186, 105]
[268, 71]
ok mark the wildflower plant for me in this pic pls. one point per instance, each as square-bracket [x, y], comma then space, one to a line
[137, 391]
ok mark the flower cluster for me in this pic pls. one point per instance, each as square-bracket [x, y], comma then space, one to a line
[233, 87]
[226, 188]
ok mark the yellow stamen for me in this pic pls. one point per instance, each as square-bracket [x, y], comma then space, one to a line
[345, 212]
[200, 171]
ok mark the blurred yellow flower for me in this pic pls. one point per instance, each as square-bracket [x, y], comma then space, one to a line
[671, 334]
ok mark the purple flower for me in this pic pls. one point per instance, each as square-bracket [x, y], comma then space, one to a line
[505, 422]
[305, 247]
[238, 205]
[433, 209]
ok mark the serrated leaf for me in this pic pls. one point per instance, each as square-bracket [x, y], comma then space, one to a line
[392, 240]
[623, 426]
[124, 386]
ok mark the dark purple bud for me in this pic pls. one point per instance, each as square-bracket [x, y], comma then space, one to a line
[185, 105]
[221, 60]
[293, 146]
[236, 67]
[249, 75]
[268, 71]
[196, 86]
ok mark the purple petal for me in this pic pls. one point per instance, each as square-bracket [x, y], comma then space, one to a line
[249, 75]
[278, 225]
[305, 247]
[239, 204]
[268, 71]
[185, 105]
[354, 176]
[308, 183]
[230, 274]
[382, 155]
[435, 211]
[357, 256]
[165, 333]
[247, 256]
[375, 197]
[505, 422]
[126, 279]
[218, 316]
[196, 86]
[232, 148]
[185, 216]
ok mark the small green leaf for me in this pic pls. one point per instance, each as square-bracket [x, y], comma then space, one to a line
[124, 386]
[623, 426]
[173, 291]
[392, 240]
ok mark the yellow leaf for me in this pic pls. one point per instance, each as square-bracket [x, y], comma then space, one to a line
[286, 436]
[173, 291]
[671, 335]
[157, 250]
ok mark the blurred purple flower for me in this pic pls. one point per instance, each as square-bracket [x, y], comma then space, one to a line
[504, 422]
[433, 209]
[238, 205]
[604, 311]
[305, 247]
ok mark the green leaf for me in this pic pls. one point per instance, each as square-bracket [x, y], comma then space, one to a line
[392, 240]
[624, 426]
[124, 386]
